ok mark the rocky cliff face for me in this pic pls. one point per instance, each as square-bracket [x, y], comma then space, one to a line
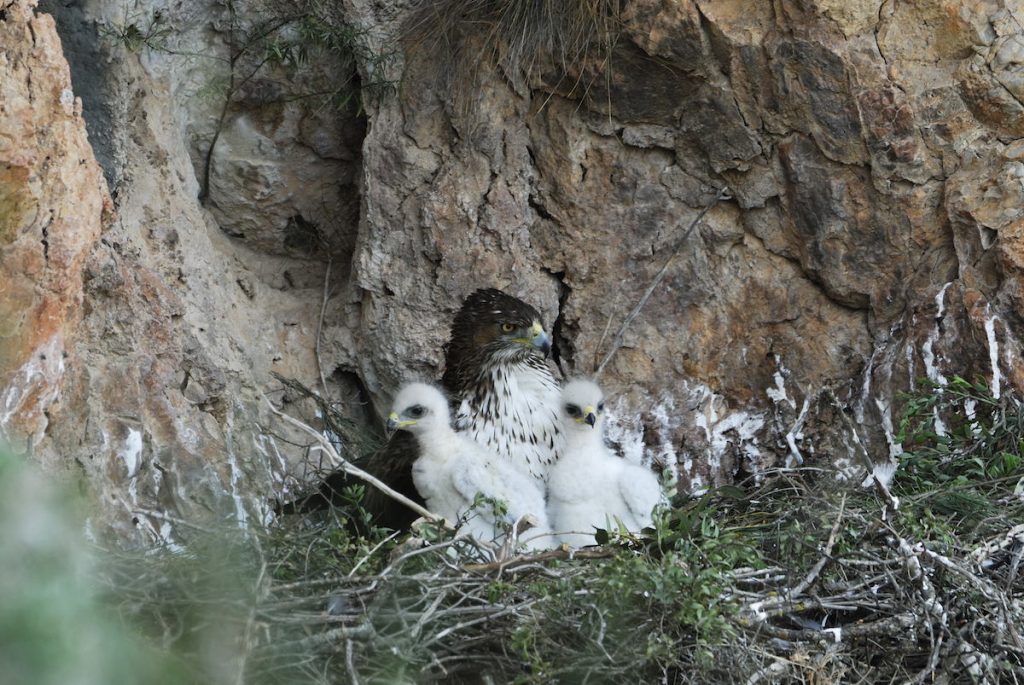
[873, 236]
[53, 204]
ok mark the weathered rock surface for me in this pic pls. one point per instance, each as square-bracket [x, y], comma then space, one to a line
[53, 204]
[874, 237]
[869, 149]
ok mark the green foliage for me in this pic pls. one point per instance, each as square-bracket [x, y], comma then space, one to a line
[311, 40]
[138, 31]
[658, 604]
[955, 479]
[402, 608]
[311, 34]
[53, 627]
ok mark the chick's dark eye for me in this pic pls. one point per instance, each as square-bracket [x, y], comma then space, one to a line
[508, 327]
[573, 410]
[415, 411]
[600, 406]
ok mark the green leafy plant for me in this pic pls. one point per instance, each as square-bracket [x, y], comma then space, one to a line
[138, 31]
[962, 447]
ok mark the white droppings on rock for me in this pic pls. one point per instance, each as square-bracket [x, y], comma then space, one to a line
[166, 537]
[940, 425]
[795, 433]
[931, 369]
[865, 390]
[241, 515]
[911, 376]
[37, 381]
[67, 100]
[131, 455]
[844, 466]
[928, 357]
[885, 409]
[971, 412]
[940, 301]
[266, 445]
[625, 429]
[666, 420]
[186, 434]
[778, 394]
[993, 352]
[724, 430]
[88, 533]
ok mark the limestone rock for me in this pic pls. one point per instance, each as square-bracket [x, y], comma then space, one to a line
[53, 205]
[873, 237]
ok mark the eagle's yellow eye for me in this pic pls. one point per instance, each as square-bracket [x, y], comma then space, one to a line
[507, 327]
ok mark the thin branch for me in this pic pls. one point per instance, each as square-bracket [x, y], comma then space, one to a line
[320, 322]
[826, 555]
[551, 555]
[483, 619]
[350, 664]
[723, 194]
[353, 470]
[892, 503]
[373, 551]
[363, 631]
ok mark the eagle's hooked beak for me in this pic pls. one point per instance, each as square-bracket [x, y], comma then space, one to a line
[539, 338]
[590, 416]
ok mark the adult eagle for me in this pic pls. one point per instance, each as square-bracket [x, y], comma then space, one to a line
[502, 393]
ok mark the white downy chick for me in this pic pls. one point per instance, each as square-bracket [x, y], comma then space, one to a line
[589, 486]
[451, 470]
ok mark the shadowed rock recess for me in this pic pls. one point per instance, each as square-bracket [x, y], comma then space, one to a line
[874, 152]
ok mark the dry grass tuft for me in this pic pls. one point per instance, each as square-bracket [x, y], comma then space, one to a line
[525, 38]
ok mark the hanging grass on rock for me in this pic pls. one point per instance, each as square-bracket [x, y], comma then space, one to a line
[453, 39]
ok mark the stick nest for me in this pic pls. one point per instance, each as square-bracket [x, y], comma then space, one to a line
[795, 580]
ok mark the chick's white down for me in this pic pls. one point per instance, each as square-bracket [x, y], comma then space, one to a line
[452, 470]
[589, 486]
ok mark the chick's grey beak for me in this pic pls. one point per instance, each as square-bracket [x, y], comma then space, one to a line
[591, 419]
[392, 425]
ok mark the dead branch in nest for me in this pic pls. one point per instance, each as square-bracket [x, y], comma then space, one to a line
[320, 323]
[352, 470]
[561, 553]
[826, 555]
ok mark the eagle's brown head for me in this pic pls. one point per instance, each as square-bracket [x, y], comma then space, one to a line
[492, 328]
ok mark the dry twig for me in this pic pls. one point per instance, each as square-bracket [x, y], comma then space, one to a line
[353, 470]
[723, 194]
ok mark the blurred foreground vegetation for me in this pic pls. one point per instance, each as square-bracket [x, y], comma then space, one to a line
[793, 580]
